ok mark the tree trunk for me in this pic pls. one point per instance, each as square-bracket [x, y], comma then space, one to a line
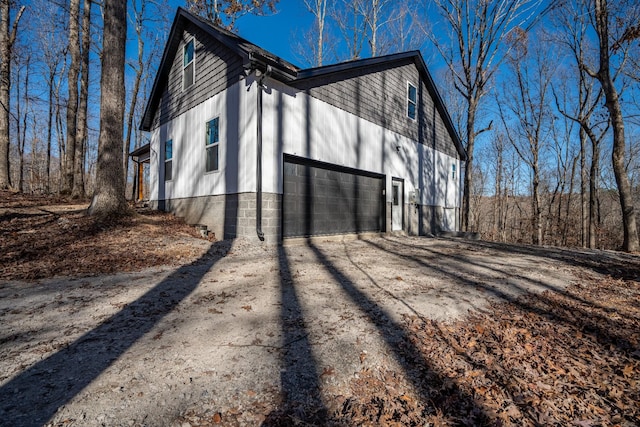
[375, 5]
[322, 8]
[7, 40]
[468, 170]
[565, 229]
[497, 206]
[584, 203]
[536, 222]
[593, 193]
[49, 132]
[81, 131]
[108, 199]
[21, 122]
[134, 99]
[630, 241]
[72, 103]
[5, 83]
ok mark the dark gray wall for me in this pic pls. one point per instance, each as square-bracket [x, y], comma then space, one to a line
[217, 68]
[379, 94]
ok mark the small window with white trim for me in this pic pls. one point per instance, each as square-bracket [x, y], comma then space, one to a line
[212, 145]
[188, 64]
[453, 171]
[412, 101]
[168, 160]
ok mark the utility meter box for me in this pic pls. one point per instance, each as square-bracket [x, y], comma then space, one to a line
[414, 196]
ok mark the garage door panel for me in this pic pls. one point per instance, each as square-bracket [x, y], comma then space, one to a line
[327, 199]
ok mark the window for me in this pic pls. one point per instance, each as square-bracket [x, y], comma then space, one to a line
[188, 64]
[396, 195]
[453, 171]
[212, 145]
[412, 101]
[168, 160]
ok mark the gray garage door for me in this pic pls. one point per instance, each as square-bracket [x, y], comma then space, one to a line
[320, 198]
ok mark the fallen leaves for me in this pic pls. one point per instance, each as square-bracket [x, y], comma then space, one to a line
[547, 359]
[40, 243]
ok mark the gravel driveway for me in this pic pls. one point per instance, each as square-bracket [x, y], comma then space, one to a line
[240, 330]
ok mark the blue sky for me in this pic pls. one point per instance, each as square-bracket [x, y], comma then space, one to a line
[275, 33]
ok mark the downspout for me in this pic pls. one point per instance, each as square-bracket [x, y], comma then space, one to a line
[260, 87]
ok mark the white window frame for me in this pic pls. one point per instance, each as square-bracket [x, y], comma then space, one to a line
[169, 160]
[192, 62]
[412, 102]
[208, 146]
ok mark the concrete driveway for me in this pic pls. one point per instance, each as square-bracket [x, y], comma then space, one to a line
[241, 330]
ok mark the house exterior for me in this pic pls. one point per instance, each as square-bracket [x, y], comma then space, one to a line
[253, 146]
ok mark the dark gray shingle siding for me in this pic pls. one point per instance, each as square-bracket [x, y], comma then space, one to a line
[379, 94]
[217, 68]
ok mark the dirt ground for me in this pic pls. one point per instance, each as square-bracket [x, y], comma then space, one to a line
[385, 330]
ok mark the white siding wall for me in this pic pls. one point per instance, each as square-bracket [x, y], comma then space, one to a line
[293, 123]
[236, 109]
[310, 128]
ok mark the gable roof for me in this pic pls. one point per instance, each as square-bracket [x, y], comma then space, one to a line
[249, 52]
[416, 57]
[255, 57]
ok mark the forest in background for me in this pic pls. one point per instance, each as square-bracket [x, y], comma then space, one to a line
[544, 95]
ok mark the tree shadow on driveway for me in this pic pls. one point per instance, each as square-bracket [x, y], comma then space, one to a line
[32, 397]
[460, 268]
[438, 394]
[299, 376]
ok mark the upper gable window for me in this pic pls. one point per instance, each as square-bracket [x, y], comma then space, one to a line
[412, 101]
[188, 64]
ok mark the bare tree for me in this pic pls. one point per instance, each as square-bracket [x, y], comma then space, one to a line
[23, 109]
[614, 26]
[528, 105]
[226, 12]
[566, 161]
[81, 124]
[376, 15]
[53, 51]
[108, 198]
[72, 102]
[573, 36]
[352, 26]
[141, 16]
[500, 207]
[403, 31]
[7, 40]
[318, 9]
[477, 30]
[59, 125]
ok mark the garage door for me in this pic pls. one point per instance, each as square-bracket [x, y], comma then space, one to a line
[321, 198]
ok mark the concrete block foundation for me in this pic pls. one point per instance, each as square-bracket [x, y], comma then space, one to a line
[234, 215]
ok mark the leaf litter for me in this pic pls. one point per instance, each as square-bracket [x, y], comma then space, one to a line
[555, 358]
[546, 359]
[45, 237]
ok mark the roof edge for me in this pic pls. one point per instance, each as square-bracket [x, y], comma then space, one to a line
[145, 123]
[418, 60]
[253, 55]
[286, 71]
[443, 109]
[310, 73]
